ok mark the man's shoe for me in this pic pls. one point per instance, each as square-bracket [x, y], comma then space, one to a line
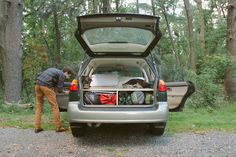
[37, 130]
[61, 129]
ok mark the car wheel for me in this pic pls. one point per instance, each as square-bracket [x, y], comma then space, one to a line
[78, 130]
[157, 129]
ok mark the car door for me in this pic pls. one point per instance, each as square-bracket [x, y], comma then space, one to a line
[62, 98]
[178, 93]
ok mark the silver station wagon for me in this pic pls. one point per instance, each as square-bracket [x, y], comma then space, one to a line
[118, 81]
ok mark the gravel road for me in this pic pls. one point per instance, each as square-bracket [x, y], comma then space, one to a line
[115, 141]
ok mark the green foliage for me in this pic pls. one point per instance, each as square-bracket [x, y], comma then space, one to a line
[216, 38]
[209, 81]
[171, 73]
[207, 92]
[215, 66]
[39, 39]
[1, 96]
[210, 68]
[35, 59]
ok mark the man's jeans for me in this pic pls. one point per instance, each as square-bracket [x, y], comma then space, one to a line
[49, 93]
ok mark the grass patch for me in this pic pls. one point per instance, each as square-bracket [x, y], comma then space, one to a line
[14, 116]
[222, 118]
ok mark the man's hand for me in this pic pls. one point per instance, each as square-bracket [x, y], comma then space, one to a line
[66, 92]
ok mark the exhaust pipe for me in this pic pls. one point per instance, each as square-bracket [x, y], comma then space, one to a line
[93, 125]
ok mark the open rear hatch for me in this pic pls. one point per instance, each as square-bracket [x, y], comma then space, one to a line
[118, 34]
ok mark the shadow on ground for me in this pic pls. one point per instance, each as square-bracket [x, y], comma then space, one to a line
[120, 135]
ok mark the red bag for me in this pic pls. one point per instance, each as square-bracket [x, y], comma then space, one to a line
[109, 99]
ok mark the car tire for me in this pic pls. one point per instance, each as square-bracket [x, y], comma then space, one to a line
[78, 130]
[157, 129]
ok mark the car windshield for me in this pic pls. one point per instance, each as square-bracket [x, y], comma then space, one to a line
[118, 35]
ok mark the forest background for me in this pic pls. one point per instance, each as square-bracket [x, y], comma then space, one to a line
[198, 43]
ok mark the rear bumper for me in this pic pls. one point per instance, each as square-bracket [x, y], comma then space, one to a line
[75, 115]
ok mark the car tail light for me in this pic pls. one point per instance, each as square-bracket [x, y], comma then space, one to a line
[162, 86]
[74, 85]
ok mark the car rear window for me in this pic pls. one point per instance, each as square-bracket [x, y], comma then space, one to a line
[118, 35]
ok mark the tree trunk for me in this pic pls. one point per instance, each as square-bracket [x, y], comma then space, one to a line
[100, 6]
[2, 39]
[57, 38]
[137, 6]
[95, 7]
[84, 6]
[106, 6]
[222, 8]
[117, 5]
[11, 50]
[190, 34]
[171, 37]
[202, 26]
[230, 80]
[153, 7]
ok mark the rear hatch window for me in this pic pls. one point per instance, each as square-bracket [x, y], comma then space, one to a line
[118, 34]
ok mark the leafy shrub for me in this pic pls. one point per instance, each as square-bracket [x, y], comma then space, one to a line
[207, 92]
[215, 66]
[209, 81]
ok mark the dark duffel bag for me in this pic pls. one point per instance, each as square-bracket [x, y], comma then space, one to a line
[91, 98]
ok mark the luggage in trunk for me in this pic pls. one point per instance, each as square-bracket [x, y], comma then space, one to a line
[114, 90]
